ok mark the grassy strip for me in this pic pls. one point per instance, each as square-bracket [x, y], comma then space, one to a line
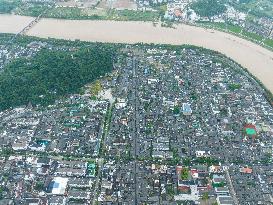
[107, 121]
[253, 36]
[268, 42]
[237, 30]
[221, 26]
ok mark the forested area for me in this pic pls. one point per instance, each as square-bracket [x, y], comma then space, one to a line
[7, 6]
[51, 74]
[26, 8]
[208, 8]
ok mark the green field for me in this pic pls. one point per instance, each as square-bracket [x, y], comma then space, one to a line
[130, 15]
[75, 13]
[268, 42]
[95, 14]
[253, 36]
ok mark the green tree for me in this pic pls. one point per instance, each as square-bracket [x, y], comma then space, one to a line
[184, 173]
[39, 186]
[176, 110]
[186, 161]
[208, 8]
[234, 86]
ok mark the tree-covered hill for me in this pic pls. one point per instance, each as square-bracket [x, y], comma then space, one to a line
[208, 8]
[50, 74]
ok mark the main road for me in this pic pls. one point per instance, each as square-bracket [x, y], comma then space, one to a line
[258, 60]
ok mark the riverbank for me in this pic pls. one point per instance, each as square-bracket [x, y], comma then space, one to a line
[240, 32]
[258, 60]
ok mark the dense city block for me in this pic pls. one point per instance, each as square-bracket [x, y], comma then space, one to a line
[159, 125]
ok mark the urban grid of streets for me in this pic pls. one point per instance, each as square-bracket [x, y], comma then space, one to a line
[170, 124]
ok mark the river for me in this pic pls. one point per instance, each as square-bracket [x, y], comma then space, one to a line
[13, 23]
[258, 60]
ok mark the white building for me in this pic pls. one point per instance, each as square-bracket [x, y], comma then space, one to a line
[59, 185]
